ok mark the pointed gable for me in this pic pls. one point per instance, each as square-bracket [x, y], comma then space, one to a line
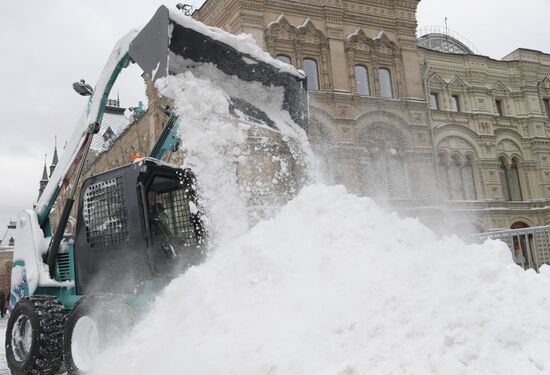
[281, 29]
[436, 79]
[308, 33]
[545, 83]
[8, 239]
[457, 82]
[359, 41]
[384, 44]
[499, 86]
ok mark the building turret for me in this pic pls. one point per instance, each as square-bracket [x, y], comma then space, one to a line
[44, 180]
[54, 160]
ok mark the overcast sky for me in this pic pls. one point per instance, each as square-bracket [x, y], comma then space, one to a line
[47, 45]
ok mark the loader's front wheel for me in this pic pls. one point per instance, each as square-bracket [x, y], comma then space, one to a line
[94, 323]
[34, 336]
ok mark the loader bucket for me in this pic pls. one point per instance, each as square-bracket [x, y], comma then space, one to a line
[169, 33]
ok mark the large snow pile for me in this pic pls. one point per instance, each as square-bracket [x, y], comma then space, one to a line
[336, 285]
[333, 284]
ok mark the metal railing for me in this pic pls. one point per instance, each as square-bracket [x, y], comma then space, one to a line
[422, 31]
[530, 246]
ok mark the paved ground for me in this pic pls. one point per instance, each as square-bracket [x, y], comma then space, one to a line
[3, 367]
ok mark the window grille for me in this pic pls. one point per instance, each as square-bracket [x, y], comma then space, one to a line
[177, 216]
[64, 266]
[106, 214]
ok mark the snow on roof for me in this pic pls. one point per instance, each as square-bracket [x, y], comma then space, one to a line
[8, 236]
[113, 124]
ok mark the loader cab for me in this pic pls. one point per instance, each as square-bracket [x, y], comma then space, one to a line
[136, 223]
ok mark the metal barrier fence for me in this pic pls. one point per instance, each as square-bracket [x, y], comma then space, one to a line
[530, 246]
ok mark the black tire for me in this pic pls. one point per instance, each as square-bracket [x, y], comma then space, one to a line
[34, 336]
[112, 317]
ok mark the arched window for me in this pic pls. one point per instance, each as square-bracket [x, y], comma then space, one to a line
[385, 175]
[503, 179]
[310, 68]
[468, 180]
[513, 182]
[379, 173]
[284, 59]
[519, 225]
[12, 242]
[362, 80]
[444, 175]
[384, 76]
[396, 174]
[509, 180]
[456, 186]
[524, 247]
[457, 177]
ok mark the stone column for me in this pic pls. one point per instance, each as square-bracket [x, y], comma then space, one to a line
[337, 50]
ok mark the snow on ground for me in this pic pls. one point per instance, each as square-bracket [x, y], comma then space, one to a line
[3, 365]
[336, 285]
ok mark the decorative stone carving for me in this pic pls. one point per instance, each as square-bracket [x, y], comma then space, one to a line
[280, 29]
[437, 80]
[508, 146]
[384, 45]
[500, 87]
[304, 40]
[373, 54]
[456, 144]
[457, 82]
[545, 83]
[359, 41]
[307, 33]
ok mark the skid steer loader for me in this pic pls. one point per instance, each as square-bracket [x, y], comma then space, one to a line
[138, 226]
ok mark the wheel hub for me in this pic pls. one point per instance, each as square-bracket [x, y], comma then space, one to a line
[21, 338]
[85, 343]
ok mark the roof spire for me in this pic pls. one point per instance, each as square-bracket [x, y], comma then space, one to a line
[55, 158]
[44, 180]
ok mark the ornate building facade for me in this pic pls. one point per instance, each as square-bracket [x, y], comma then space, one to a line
[425, 123]
[491, 133]
[368, 113]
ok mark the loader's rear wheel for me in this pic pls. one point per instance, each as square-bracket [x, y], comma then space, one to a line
[93, 325]
[34, 336]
